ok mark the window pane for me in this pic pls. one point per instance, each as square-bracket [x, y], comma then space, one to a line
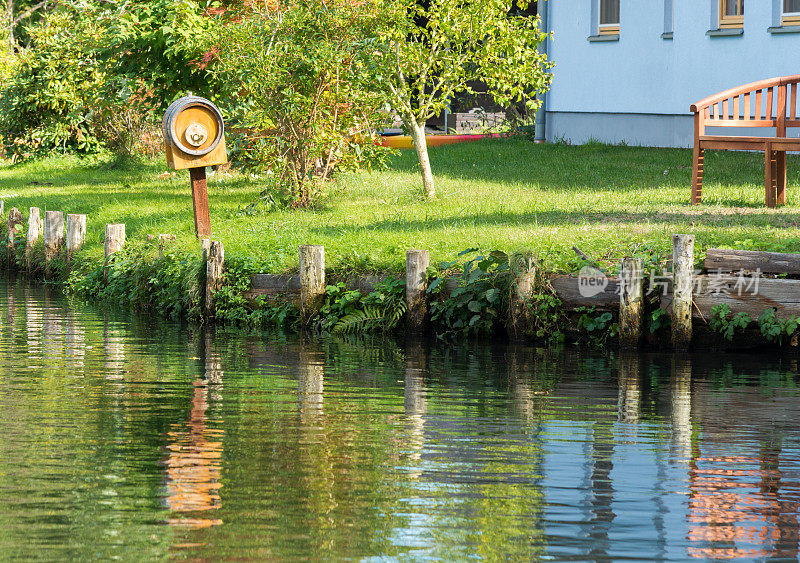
[736, 7]
[791, 6]
[609, 12]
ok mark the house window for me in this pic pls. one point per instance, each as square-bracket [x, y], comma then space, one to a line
[609, 17]
[791, 12]
[731, 14]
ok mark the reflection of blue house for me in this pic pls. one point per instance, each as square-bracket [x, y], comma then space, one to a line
[627, 70]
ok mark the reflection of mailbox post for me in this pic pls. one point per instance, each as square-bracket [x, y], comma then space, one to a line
[195, 138]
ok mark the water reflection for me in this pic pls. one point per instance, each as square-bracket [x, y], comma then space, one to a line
[630, 392]
[415, 403]
[270, 447]
[311, 382]
[194, 464]
[681, 391]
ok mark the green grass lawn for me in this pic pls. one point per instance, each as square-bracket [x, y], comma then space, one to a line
[495, 194]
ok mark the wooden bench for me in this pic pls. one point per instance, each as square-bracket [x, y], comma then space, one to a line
[768, 103]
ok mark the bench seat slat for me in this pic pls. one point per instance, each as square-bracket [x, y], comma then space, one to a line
[741, 123]
[749, 143]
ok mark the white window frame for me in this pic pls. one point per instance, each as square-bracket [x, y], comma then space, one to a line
[729, 22]
[788, 18]
[607, 29]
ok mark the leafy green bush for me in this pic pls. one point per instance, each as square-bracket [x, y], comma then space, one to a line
[303, 73]
[232, 307]
[47, 104]
[722, 322]
[477, 305]
[138, 277]
[599, 327]
[99, 72]
[776, 330]
[547, 317]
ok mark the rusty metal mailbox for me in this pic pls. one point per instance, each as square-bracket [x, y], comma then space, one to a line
[194, 135]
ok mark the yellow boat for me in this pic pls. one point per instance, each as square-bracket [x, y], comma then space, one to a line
[407, 142]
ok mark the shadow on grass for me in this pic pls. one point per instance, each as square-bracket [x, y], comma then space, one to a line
[568, 218]
[596, 167]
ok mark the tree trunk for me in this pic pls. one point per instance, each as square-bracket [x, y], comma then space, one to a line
[421, 144]
[10, 12]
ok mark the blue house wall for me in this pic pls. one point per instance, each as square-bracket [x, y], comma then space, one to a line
[638, 89]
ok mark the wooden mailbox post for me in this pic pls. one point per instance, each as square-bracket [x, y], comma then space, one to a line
[195, 138]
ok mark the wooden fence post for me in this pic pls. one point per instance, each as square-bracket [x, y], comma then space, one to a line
[14, 227]
[417, 262]
[115, 238]
[631, 302]
[205, 246]
[312, 281]
[53, 237]
[523, 270]
[35, 229]
[215, 265]
[683, 270]
[76, 234]
[114, 242]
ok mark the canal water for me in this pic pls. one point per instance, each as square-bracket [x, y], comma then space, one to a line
[122, 436]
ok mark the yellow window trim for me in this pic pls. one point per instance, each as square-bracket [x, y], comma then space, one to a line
[729, 22]
[609, 29]
[793, 19]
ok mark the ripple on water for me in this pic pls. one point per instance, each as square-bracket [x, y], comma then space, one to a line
[124, 436]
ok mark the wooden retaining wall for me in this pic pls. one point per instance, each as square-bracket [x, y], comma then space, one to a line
[746, 281]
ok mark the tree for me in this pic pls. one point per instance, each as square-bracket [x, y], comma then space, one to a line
[298, 74]
[96, 72]
[434, 49]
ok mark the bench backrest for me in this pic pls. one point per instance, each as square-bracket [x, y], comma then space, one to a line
[767, 103]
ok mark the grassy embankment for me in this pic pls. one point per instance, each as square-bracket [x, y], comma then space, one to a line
[506, 195]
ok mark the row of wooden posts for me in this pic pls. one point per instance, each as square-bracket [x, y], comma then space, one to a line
[631, 294]
[56, 237]
[51, 229]
[312, 275]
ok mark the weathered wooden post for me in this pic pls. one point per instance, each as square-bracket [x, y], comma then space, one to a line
[35, 229]
[683, 270]
[417, 262]
[194, 135]
[312, 281]
[215, 265]
[631, 302]
[76, 234]
[14, 227]
[114, 242]
[523, 268]
[53, 237]
[205, 246]
[115, 238]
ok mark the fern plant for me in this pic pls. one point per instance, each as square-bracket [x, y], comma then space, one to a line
[350, 312]
[372, 319]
